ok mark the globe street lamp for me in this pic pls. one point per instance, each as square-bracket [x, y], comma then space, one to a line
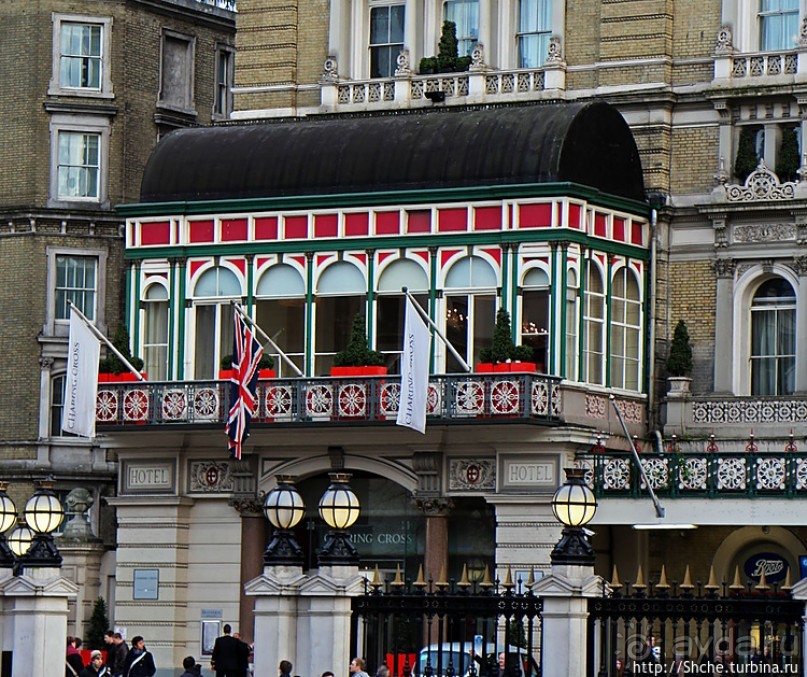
[8, 515]
[44, 513]
[574, 505]
[19, 542]
[284, 508]
[340, 508]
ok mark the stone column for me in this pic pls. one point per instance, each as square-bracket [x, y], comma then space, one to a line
[253, 544]
[724, 325]
[565, 593]
[36, 604]
[428, 498]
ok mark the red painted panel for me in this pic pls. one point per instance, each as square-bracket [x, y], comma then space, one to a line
[419, 221]
[325, 225]
[296, 227]
[322, 258]
[488, 218]
[495, 253]
[446, 254]
[600, 225]
[233, 229]
[201, 231]
[259, 262]
[451, 220]
[358, 224]
[299, 259]
[266, 228]
[360, 257]
[636, 232]
[240, 264]
[535, 216]
[619, 230]
[575, 212]
[638, 266]
[387, 223]
[195, 265]
[155, 233]
[424, 254]
[384, 256]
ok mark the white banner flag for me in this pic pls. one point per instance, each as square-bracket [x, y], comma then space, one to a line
[414, 370]
[81, 388]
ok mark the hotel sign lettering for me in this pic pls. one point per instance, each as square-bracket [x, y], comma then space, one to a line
[527, 473]
[149, 477]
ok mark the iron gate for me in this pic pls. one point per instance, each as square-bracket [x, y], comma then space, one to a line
[448, 628]
[658, 629]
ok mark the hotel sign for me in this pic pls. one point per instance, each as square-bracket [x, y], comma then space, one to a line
[528, 473]
[148, 477]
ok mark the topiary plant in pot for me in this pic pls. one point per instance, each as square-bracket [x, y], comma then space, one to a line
[111, 367]
[504, 354]
[679, 361]
[357, 359]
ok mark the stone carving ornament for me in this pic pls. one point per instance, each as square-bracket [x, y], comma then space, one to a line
[769, 232]
[761, 184]
[724, 40]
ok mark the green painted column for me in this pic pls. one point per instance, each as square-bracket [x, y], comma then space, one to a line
[172, 309]
[564, 292]
[250, 259]
[181, 263]
[309, 313]
[370, 296]
[135, 308]
[433, 300]
[607, 327]
[515, 322]
[555, 319]
[581, 325]
[505, 296]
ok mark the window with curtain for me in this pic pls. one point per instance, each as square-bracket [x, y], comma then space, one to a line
[594, 326]
[80, 56]
[340, 295]
[391, 304]
[79, 166]
[280, 312]
[773, 339]
[625, 330]
[465, 15]
[535, 315]
[155, 333]
[386, 39]
[76, 281]
[571, 308]
[470, 294]
[57, 384]
[214, 290]
[534, 31]
[778, 24]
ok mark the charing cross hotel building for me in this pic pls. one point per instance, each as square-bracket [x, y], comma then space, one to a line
[601, 171]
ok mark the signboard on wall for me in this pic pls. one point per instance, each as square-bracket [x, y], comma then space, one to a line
[774, 565]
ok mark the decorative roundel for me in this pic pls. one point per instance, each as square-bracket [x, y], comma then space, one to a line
[505, 397]
[771, 474]
[616, 475]
[174, 405]
[656, 471]
[106, 406]
[801, 474]
[433, 400]
[278, 401]
[319, 400]
[731, 474]
[540, 398]
[212, 476]
[353, 400]
[390, 398]
[470, 397]
[135, 405]
[692, 474]
[206, 403]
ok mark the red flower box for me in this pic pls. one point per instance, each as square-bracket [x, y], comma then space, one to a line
[358, 371]
[227, 374]
[125, 377]
[484, 368]
[489, 367]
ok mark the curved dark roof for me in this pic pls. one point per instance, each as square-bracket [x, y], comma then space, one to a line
[585, 143]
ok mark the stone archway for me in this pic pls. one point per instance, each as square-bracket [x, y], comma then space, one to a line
[748, 538]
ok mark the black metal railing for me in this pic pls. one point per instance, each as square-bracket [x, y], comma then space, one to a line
[449, 629]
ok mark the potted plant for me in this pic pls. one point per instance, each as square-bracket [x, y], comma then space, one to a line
[265, 367]
[448, 59]
[679, 362]
[357, 359]
[504, 354]
[111, 368]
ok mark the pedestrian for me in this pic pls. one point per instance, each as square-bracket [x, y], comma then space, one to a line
[191, 667]
[139, 661]
[96, 667]
[285, 668]
[327, 673]
[357, 666]
[116, 659]
[230, 656]
[383, 671]
[73, 663]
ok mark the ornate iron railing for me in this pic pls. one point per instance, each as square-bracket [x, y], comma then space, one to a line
[306, 400]
[450, 628]
[683, 629]
[698, 474]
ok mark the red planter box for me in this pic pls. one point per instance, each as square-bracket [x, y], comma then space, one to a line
[125, 377]
[358, 371]
[489, 367]
[484, 368]
[227, 374]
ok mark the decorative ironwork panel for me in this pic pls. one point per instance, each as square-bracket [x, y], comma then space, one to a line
[770, 474]
[616, 474]
[656, 471]
[353, 400]
[319, 400]
[469, 398]
[505, 398]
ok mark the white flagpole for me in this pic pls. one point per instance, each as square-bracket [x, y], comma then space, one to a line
[268, 339]
[96, 332]
[436, 330]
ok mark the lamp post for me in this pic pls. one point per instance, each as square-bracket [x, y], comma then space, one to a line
[340, 508]
[8, 516]
[284, 508]
[574, 505]
[44, 513]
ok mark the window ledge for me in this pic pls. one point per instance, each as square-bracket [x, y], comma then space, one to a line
[81, 108]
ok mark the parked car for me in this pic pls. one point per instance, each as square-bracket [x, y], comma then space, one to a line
[462, 654]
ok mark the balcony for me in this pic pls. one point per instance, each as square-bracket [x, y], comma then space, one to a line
[752, 69]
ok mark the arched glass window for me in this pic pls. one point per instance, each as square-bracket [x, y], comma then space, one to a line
[155, 333]
[535, 315]
[625, 330]
[214, 320]
[470, 293]
[773, 339]
[572, 314]
[594, 326]
[280, 312]
[340, 295]
[390, 306]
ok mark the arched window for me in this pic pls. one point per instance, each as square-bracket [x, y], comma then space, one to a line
[280, 312]
[214, 290]
[155, 333]
[340, 295]
[594, 326]
[626, 311]
[535, 315]
[470, 292]
[57, 384]
[572, 309]
[773, 339]
[390, 305]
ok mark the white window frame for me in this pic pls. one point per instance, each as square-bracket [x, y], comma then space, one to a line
[55, 87]
[519, 33]
[591, 320]
[54, 327]
[189, 106]
[146, 304]
[386, 4]
[743, 17]
[226, 83]
[622, 351]
[79, 124]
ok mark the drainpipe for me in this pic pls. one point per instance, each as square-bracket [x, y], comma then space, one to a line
[651, 321]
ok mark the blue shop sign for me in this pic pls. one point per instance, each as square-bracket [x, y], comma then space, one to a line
[774, 566]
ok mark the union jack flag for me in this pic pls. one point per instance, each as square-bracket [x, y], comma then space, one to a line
[246, 355]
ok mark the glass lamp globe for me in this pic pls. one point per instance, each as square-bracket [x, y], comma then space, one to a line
[20, 539]
[43, 511]
[283, 506]
[574, 504]
[339, 506]
[8, 511]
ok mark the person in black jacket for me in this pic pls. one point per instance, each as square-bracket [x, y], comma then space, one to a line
[73, 663]
[230, 655]
[139, 661]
